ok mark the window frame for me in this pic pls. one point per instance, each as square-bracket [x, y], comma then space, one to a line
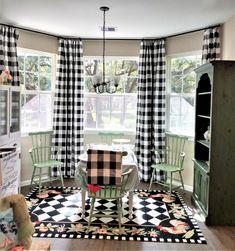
[25, 92]
[181, 95]
[96, 130]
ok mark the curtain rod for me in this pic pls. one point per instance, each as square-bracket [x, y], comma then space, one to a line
[130, 39]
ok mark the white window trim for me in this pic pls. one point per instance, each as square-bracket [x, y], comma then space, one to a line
[53, 73]
[168, 85]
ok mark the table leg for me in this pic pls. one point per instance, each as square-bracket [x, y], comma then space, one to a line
[130, 204]
[83, 195]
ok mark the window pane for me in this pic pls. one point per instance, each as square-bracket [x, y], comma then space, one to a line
[182, 115]
[189, 83]
[45, 120]
[31, 63]
[45, 65]
[90, 112]
[45, 103]
[131, 85]
[89, 84]
[31, 81]
[21, 62]
[45, 82]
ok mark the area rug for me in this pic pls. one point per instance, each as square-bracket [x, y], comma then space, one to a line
[56, 213]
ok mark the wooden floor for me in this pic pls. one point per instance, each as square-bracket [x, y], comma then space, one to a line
[218, 238]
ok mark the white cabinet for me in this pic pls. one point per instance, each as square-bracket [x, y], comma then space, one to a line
[9, 114]
[9, 139]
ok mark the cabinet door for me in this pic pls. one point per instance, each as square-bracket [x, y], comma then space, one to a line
[204, 191]
[15, 111]
[197, 183]
[4, 114]
[201, 188]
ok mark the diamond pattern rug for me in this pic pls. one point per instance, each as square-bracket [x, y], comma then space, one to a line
[56, 213]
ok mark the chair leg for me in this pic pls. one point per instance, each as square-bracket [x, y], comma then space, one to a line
[49, 173]
[91, 213]
[181, 178]
[119, 214]
[61, 177]
[32, 178]
[40, 182]
[151, 181]
[170, 183]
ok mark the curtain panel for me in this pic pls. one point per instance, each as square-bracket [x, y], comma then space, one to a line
[151, 105]
[8, 53]
[211, 45]
[68, 105]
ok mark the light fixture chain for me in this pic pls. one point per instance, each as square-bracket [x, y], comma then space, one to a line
[104, 49]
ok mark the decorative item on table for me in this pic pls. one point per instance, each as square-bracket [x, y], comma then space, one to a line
[207, 134]
[5, 77]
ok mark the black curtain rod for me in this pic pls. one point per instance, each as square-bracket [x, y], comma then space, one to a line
[130, 39]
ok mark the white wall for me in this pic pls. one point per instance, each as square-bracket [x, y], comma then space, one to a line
[228, 39]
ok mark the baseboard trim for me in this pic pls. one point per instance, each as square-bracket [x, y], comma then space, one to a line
[186, 187]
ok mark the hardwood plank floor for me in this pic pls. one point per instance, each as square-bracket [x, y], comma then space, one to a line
[218, 237]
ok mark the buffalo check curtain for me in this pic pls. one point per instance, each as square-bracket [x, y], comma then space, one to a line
[68, 105]
[104, 167]
[211, 45]
[150, 126]
[8, 53]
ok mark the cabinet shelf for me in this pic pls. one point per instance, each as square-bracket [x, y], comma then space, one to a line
[204, 143]
[204, 93]
[203, 116]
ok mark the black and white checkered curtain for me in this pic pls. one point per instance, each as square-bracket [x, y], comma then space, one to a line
[150, 127]
[211, 45]
[8, 52]
[68, 105]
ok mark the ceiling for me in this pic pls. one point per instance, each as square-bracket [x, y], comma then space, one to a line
[133, 18]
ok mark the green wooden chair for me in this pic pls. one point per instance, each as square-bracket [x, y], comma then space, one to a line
[107, 137]
[44, 156]
[172, 161]
[110, 193]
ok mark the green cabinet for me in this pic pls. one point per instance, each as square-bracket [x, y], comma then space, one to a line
[214, 157]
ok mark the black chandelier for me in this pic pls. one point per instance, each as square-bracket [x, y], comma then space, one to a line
[100, 83]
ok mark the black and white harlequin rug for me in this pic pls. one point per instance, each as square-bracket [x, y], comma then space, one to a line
[56, 213]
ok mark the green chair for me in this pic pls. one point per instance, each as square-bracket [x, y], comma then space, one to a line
[107, 137]
[172, 161]
[44, 156]
[110, 193]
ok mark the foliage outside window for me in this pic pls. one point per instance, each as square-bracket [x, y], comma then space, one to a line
[36, 78]
[115, 111]
[181, 93]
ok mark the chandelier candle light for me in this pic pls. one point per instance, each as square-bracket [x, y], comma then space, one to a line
[100, 83]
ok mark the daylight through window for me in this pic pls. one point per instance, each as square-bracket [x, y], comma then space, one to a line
[111, 111]
[181, 93]
[36, 78]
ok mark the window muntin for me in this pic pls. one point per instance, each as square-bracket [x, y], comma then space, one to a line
[116, 111]
[36, 79]
[181, 93]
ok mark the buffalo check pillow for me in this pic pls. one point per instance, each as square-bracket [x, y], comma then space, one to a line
[104, 167]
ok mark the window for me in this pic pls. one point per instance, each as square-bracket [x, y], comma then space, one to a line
[36, 80]
[115, 111]
[181, 93]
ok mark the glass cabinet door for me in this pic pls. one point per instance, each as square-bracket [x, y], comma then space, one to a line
[3, 112]
[15, 111]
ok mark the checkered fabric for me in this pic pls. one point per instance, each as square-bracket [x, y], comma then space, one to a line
[8, 52]
[68, 105]
[104, 167]
[150, 126]
[211, 45]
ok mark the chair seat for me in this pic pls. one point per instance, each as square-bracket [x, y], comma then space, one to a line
[47, 163]
[166, 167]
